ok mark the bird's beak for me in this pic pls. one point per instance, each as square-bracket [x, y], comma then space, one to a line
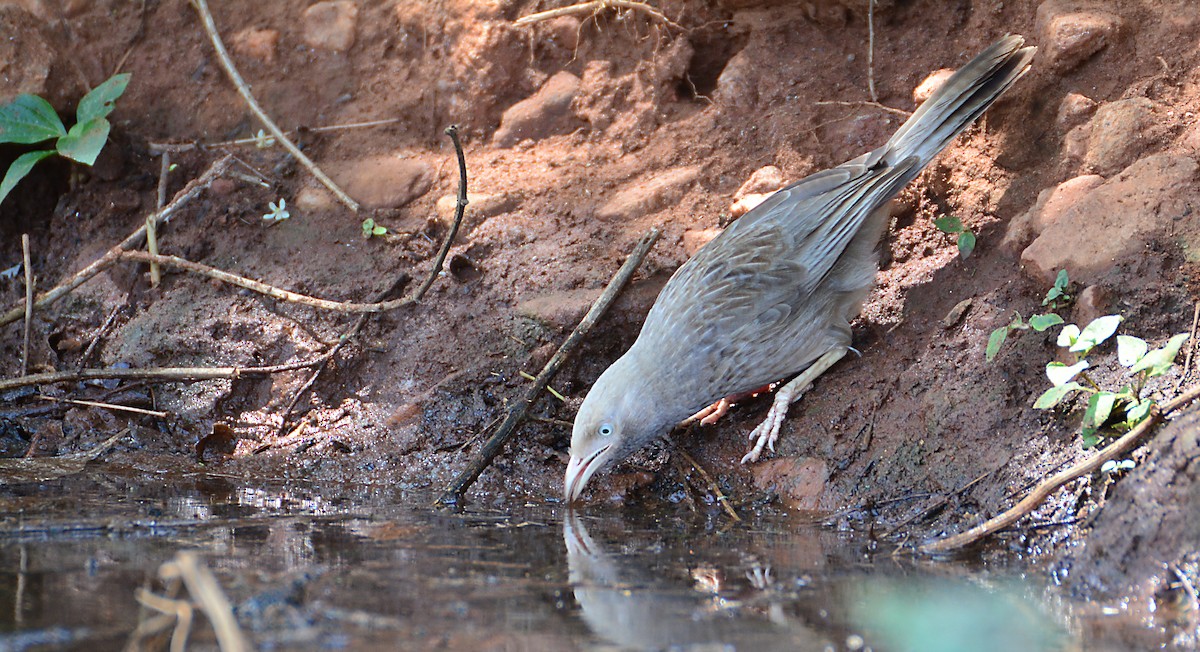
[580, 470]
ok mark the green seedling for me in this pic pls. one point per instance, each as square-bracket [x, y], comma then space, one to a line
[263, 140]
[370, 228]
[278, 212]
[1057, 296]
[29, 119]
[1124, 408]
[954, 226]
[1054, 298]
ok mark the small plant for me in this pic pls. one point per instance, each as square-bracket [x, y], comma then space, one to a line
[1127, 405]
[263, 140]
[29, 119]
[954, 226]
[278, 212]
[1055, 298]
[370, 228]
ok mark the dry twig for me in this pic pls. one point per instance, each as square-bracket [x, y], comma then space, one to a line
[876, 105]
[712, 486]
[1187, 360]
[1043, 490]
[594, 8]
[210, 27]
[871, 51]
[187, 147]
[516, 413]
[28, 303]
[152, 220]
[204, 591]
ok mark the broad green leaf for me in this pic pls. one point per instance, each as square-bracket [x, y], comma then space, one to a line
[1130, 349]
[1095, 333]
[85, 140]
[1137, 413]
[1054, 396]
[1090, 438]
[995, 341]
[19, 169]
[1040, 323]
[1060, 374]
[99, 102]
[1068, 336]
[1061, 280]
[1159, 361]
[966, 244]
[1099, 408]
[29, 119]
[948, 224]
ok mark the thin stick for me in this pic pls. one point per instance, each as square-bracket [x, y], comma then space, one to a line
[28, 303]
[201, 7]
[1043, 490]
[712, 486]
[110, 258]
[108, 406]
[516, 413]
[187, 147]
[91, 347]
[151, 224]
[871, 50]
[204, 589]
[154, 374]
[877, 105]
[593, 8]
[1187, 360]
[435, 271]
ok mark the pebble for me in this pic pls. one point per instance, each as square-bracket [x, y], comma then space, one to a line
[540, 114]
[385, 181]
[934, 81]
[1071, 34]
[1118, 134]
[649, 196]
[259, 44]
[331, 25]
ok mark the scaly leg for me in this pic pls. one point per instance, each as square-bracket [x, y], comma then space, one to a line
[714, 412]
[768, 431]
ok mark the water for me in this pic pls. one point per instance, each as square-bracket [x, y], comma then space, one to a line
[362, 569]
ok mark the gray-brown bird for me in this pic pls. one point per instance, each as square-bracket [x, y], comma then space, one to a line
[773, 295]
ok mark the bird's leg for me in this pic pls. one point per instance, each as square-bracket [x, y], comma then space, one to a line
[768, 431]
[714, 412]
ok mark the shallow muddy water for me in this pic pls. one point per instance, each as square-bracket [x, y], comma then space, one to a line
[308, 568]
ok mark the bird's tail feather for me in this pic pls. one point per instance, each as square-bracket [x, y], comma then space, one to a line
[959, 101]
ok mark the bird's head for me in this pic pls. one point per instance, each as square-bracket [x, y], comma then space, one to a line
[619, 415]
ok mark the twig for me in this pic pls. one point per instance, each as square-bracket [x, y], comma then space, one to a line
[108, 406]
[453, 493]
[434, 271]
[187, 147]
[871, 51]
[204, 589]
[181, 199]
[91, 347]
[151, 220]
[201, 7]
[1043, 490]
[28, 303]
[1187, 360]
[712, 486]
[877, 105]
[595, 7]
[153, 374]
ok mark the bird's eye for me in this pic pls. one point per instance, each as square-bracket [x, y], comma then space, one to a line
[605, 430]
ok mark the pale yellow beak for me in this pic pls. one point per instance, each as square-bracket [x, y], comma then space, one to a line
[580, 470]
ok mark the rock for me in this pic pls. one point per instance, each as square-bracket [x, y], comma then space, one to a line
[934, 81]
[385, 181]
[563, 32]
[561, 310]
[694, 239]
[649, 196]
[1190, 139]
[1113, 220]
[25, 57]
[766, 180]
[313, 199]
[737, 85]
[1092, 302]
[1071, 32]
[747, 204]
[1118, 134]
[1073, 110]
[331, 25]
[540, 114]
[479, 208]
[800, 481]
[259, 44]
[1051, 204]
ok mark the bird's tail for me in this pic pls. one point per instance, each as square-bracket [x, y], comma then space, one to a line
[959, 101]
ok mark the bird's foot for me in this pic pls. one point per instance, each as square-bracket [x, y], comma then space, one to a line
[710, 414]
[768, 431]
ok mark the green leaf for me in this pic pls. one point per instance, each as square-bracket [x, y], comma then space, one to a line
[1095, 333]
[19, 169]
[1055, 395]
[1061, 280]
[1159, 361]
[1138, 412]
[29, 119]
[966, 244]
[1099, 408]
[1130, 349]
[1090, 438]
[995, 341]
[99, 102]
[379, 230]
[85, 140]
[1068, 336]
[1060, 374]
[948, 224]
[1040, 323]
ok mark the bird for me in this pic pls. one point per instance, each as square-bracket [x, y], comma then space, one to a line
[772, 296]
